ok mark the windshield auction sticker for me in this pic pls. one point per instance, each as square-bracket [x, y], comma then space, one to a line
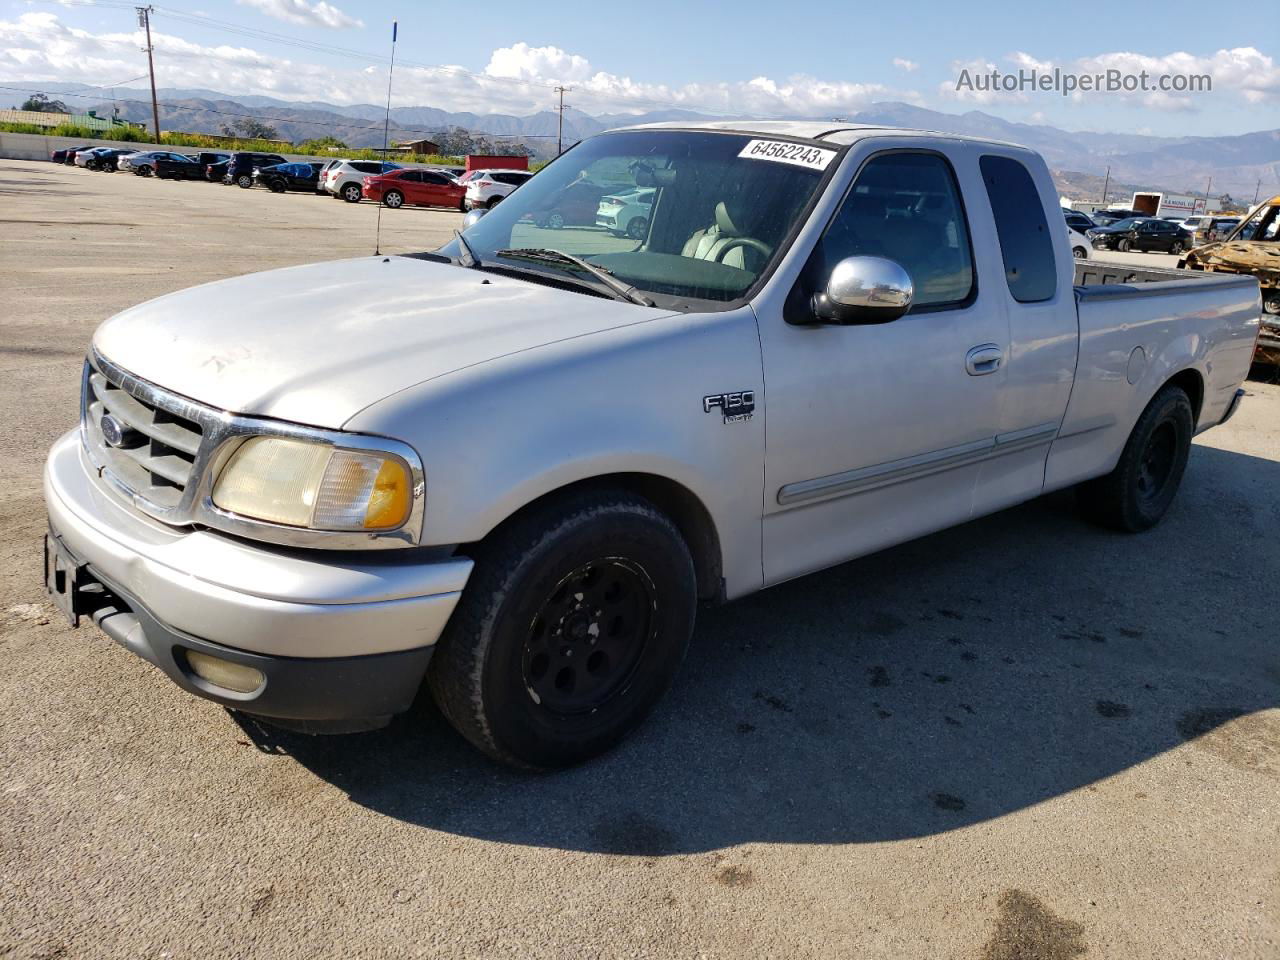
[780, 151]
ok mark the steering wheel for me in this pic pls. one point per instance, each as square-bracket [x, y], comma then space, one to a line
[734, 242]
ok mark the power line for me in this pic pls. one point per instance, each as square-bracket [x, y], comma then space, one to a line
[363, 55]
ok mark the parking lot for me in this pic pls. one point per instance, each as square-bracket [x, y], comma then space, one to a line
[1021, 738]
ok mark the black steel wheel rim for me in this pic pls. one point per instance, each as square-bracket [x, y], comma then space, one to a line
[587, 639]
[1157, 461]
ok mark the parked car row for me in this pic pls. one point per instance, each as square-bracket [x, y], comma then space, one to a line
[581, 204]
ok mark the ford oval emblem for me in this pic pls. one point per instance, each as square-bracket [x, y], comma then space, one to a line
[112, 430]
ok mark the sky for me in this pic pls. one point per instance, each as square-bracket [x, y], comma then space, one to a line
[822, 58]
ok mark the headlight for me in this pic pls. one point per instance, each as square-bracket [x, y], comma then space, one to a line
[314, 485]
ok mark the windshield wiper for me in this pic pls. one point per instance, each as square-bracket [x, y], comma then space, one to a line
[467, 256]
[621, 291]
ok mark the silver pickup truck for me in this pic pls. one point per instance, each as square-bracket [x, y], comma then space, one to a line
[513, 467]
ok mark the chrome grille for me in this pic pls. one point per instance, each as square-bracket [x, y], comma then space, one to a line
[154, 453]
[166, 449]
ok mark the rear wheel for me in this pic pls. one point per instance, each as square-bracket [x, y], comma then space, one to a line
[393, 199]
[493, 202]
[637, 228]
[1177, 247]
[571, 628]
[244, 181]
[351, 193]
[555, 220]
[1136, 494]
[276, 186]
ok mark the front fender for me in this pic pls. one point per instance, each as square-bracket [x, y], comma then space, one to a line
[504, 433]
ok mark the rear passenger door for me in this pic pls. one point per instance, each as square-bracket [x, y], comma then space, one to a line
[1037, 295]
[878, 433]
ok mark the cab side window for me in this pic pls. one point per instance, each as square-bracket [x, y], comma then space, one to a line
[906, 207]
[1025, 242]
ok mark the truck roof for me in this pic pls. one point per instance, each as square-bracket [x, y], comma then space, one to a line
[835, 131]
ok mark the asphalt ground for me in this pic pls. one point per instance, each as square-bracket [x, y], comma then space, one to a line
[1021, 738]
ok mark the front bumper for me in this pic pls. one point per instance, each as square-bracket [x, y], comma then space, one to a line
[337, 634]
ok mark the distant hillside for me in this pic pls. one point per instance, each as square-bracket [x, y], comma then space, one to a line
[1177, 164]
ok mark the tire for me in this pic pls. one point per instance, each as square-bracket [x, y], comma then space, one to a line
[276, 186]
[555, 220]
[144, 171]
[1176, 247]
[1080, 253]
[637, 227]
[493, 202]
[1136, 494]
[393, 199]
[529, 704]
[351, 192]
[244, 181]
[91, 165]
[1124, 244]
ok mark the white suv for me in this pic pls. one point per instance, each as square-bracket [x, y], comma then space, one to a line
[344, 179]
[487, 188]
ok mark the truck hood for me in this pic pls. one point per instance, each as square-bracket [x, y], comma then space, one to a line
[317, 344]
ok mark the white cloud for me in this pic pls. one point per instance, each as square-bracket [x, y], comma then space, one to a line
[318, 14]
[38, 46]
[537, 63]
[908, 65]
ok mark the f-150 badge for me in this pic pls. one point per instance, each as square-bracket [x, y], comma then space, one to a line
[734, 407]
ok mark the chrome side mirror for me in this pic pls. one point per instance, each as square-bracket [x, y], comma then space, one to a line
[864, 290]
[472, 217]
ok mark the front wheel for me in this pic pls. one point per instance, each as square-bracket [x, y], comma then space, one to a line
[1080, 253]
[244, 181]
[1124, 244]
[555, 220]
[276, 186]
[393, 199]
[1136, 494]
[571, 628]
[493, 202]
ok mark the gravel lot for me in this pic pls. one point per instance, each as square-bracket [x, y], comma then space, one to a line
[1021, 738]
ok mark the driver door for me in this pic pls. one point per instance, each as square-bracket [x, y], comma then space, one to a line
[876, 433]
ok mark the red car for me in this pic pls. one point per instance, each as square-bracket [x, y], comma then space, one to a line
[417, 188]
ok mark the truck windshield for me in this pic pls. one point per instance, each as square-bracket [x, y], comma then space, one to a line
[678, 213]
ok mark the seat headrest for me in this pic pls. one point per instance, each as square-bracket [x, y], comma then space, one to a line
[729, 219]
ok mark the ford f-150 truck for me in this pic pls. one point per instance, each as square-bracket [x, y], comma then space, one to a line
[513, 467]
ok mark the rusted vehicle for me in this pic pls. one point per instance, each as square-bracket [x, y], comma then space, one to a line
[1252, 248]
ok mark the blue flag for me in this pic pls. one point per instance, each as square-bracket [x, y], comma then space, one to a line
[394, 27]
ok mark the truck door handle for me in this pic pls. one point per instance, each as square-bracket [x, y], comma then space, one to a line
[983, 359]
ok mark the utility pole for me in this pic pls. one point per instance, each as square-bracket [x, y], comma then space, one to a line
[144, 21]
[560, 127]
[1255, 192]
[1207, 187]
[1105, 184]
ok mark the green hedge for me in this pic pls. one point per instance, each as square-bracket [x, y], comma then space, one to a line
[136, 135]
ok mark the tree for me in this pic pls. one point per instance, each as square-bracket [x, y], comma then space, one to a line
[250, 129]
[40, 102]
[321, 145]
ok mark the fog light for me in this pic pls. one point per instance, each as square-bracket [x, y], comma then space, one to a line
[224, 673]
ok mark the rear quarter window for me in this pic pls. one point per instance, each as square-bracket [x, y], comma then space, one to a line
[1025, 243]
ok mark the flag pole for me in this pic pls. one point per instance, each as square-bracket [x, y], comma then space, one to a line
[386, 133]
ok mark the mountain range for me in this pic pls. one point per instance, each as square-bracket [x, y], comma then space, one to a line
[1236, 164]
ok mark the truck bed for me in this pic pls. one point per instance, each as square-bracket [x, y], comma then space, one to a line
[1183, 319]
